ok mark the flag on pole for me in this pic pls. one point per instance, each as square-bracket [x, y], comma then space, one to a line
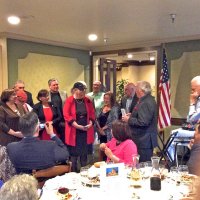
[164, 118]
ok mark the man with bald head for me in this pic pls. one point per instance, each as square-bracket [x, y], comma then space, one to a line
[129, 100]
[193, 115]
[97, 96]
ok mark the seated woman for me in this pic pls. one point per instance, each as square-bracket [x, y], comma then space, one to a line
[194, 160]
[120, 148]
[47, 112]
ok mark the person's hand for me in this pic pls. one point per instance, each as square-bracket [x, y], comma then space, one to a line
[191, 144]
[193, 98]
[89, 125]
[102, 146]
[15, 133]
[125, 118]
[49, 128]
[108, 152]
[101, 131]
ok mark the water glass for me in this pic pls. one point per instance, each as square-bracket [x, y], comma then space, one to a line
[135, 158]
[183, 169]
[84, 171]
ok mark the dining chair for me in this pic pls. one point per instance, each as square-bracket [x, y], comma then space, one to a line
[45, 174]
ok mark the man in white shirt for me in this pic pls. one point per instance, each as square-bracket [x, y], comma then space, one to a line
[194, 113]
[194, 109]
[97, 96]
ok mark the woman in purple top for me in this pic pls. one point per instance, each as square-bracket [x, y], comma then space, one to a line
[121, 147]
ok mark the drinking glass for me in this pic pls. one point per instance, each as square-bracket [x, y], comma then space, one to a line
[135, 158]
[183, 169]
[84, 171]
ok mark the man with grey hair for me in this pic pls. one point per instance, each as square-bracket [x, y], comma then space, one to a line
[20, 85]
[20, 187]
[194, 109]
[143, 121]
[31, 153]
[193, 116]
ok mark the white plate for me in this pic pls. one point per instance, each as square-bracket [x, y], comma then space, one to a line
[88, 182]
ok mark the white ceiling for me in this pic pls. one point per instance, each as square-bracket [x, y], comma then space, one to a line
[126, 23]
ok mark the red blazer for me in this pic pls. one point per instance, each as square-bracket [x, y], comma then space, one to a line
[69, 112]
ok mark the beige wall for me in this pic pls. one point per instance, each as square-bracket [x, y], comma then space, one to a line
[138, 73]
[185, 68]
[36, 69]
[3, 65]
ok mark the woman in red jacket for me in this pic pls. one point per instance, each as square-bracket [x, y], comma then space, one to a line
[79, 117]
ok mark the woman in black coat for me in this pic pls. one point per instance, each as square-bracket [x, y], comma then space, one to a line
[47, 113]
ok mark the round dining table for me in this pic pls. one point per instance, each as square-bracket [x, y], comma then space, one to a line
[119, 189]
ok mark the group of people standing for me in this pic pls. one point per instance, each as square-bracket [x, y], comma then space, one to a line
[81, 115]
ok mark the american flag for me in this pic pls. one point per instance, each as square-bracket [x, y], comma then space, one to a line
[164, 118]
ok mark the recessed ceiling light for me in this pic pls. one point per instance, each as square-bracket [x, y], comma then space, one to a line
[129, 55]
[14, 20]
[92, 37]
[152, 58]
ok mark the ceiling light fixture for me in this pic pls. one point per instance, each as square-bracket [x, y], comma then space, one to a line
[129, 55]
[92, 37]
[152, 58]
[14, 20]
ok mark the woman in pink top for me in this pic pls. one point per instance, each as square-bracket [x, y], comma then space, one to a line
[120, 148]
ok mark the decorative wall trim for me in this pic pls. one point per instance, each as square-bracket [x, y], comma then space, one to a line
[178, 121]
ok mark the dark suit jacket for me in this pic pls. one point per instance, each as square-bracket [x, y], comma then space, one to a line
[133, 103]
[29, 98]
[143, 123]
[57, 117]
[31, 153]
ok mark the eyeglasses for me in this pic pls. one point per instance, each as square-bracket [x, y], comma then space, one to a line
[21, 87]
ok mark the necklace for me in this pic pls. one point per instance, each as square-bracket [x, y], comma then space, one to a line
[79, 101]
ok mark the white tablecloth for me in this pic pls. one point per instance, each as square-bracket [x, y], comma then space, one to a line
[118, 191]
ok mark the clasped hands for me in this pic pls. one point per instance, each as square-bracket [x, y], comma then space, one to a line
[106, 150]
[81, 127]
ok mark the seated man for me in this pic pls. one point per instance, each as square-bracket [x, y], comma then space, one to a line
[194, 112]
[31, 153]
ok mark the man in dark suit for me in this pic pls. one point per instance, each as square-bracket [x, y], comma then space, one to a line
[57, 100]
[20, 85]
[143, 121]
[31, 153]
[130, 99]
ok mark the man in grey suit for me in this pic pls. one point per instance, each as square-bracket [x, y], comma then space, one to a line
[31, 153]
[129, 100]
[143, 121]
